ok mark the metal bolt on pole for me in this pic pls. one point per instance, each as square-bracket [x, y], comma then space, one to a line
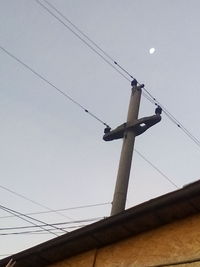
[120, 194]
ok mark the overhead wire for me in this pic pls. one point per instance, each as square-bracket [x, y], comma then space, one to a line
[34, 202]
[63, 226]
[22, 218]
[88, 220]
[147, 95]
[79, 30]
[86, 37]
[29, 219]
[39, 231]
[29, 229]
[151, 98]
[52, 85]
[156, 168]
[64, 209]
[79, 37]
[44, 79]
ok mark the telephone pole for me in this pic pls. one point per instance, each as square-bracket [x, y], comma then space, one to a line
[128, 131]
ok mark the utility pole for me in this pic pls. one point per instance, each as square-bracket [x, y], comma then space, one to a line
[128, 131]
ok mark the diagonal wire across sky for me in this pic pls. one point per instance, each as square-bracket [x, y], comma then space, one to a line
[93, 46]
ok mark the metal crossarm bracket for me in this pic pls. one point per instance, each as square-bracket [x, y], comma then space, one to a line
[138, 127]
[128, 131]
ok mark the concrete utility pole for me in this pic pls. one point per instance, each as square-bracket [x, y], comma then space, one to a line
[128, 131]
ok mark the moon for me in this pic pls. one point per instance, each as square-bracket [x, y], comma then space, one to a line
[152, 50]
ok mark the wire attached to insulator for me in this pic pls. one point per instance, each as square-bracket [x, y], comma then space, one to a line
[52, 85]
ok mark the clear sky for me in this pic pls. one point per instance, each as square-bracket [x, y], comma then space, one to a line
[50, 150]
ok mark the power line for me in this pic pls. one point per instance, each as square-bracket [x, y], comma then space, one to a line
[20, 217]
[86, 37]
[54, 86]
[148, 96]
[151, 98]
[156, 168]
[54, 224]
[79, 37]
[45, 231]
[64, 209]
[75, 27]
[33, 201]
[29, 219]
[40, 231]
[44, 79]
[114, 62]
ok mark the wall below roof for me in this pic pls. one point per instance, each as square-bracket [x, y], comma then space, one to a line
[82, 260]
[178, 242]
[193, 264]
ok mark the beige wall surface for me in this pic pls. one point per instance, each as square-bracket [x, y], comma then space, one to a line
[172, 243]
[82, 260]
[193, 264]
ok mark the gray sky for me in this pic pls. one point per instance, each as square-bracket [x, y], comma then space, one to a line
[53, 152]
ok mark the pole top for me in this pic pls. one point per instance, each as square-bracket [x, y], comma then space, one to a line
[135, 83]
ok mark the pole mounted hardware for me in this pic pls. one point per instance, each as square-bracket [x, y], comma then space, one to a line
[128, 131]
[139, 127]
